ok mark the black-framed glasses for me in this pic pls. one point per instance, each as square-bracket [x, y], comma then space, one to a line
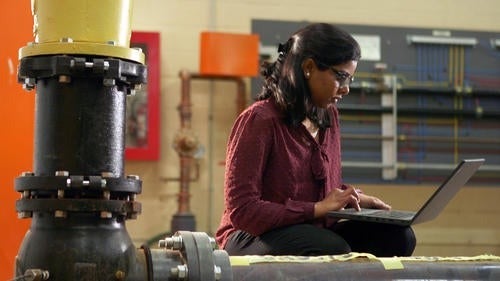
[344, 78]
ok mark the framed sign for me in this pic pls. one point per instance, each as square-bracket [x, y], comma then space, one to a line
[142, 120]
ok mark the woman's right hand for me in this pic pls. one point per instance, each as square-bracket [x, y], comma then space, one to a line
[336, 200]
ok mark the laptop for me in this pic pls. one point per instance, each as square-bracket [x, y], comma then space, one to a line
[429, 211]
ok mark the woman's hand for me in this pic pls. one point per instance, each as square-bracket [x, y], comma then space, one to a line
[341, 198]
[367, 201]
[336, 200]
[372, 202]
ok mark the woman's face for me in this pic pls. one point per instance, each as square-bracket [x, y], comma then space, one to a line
[329, 85]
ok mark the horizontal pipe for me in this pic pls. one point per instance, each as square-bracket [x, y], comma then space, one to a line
[416, 111]
[422, 138]
[408, 166]
[375, 84]
[441, 40]
[365, 137]
[364, 164]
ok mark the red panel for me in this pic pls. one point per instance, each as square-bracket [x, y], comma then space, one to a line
[146, 144]
[229, 54]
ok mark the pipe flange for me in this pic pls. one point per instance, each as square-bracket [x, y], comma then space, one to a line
[31, 182]
[205, 249]
[202, 261]
[222, 268]
[60, 207]
[124, 74]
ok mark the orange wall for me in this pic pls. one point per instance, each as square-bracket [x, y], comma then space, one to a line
[16, 130]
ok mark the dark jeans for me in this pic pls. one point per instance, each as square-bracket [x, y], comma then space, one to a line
[382, 240]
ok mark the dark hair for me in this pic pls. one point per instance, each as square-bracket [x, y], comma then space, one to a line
[327, 45]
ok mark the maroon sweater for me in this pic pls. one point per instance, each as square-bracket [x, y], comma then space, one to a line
[275, 172]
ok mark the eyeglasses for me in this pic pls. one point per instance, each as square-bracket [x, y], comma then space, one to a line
[344, 78]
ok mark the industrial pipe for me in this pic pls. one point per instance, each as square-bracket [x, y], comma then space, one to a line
[187, 146]
[77, 196]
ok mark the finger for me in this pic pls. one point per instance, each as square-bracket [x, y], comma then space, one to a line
[356, 194]
[379, 204]
[349, 189]
[354, 202]
[386, 206]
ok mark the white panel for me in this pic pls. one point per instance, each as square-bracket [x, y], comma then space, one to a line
[370, 47]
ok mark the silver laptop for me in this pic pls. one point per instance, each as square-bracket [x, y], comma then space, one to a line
[429, 211]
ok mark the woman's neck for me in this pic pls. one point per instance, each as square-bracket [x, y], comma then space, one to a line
[311, 127]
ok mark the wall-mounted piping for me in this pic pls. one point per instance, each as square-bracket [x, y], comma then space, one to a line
[444, 40]
[187, 145]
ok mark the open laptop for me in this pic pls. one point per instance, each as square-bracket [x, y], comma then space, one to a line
[429, 211]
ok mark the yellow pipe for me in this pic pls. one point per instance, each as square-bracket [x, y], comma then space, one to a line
[94, 27]
[462, 67]
[455, 130]
[457, 66]
[450, 64]
[456, 70]
[456, 62]
[455, 140]
[426, 83]
[85, 21]
[462, 75]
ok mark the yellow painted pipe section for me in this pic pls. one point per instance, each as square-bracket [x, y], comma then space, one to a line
[98, 21]
[94, 27]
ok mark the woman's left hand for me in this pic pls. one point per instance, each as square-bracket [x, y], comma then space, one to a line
[372, 202]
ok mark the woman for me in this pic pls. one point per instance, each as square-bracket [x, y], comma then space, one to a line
[283, 166]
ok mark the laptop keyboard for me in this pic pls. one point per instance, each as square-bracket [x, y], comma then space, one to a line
[391, 213]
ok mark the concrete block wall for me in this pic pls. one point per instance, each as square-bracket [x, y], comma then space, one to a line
[180, 23]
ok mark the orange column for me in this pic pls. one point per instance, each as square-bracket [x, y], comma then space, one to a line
[16, 128]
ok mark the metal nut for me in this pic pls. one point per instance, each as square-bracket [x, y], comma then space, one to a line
[62, 173]
[180, 272]
[171, 243]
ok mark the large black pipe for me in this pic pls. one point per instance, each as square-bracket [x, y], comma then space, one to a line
[79, 127]
[77, 195]
[79, 247]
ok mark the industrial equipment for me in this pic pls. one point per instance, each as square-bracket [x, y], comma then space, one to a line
[77, 195]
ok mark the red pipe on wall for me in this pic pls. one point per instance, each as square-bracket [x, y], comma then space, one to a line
[187, 145]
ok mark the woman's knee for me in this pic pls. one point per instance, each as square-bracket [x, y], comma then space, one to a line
[308, 240]
[402, 242]
[326, 243]
[409, 242]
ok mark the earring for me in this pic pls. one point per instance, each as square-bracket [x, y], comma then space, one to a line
[307, 74]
